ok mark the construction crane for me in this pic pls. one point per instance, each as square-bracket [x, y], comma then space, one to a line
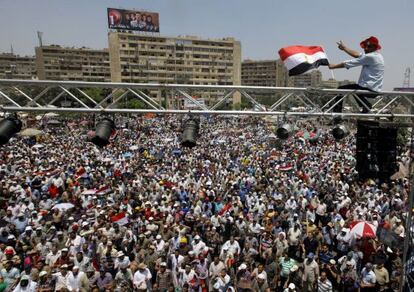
[407, 75]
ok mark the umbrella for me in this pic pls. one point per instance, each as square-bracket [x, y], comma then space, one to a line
[134, 147]
[38, 146]
[89, 192]
[53, 122]
[127, 154]
[63, 206]
[51, 115]
[361, 229]
[30, 132]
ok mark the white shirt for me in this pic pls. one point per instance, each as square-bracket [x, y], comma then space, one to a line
[233, 248]
[142, 277]
[31, 287]
[372, 73]
[73, 281]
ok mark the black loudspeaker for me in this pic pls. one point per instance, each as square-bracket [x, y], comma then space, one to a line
[103, 132]
[190, 133]
[376, 150]
[8, 128]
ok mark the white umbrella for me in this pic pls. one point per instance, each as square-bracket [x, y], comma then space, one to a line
[89, 192]
[134, 147]
[63, 206]
[362, 229]
[30, 132]
[38, 146]
[51, 115]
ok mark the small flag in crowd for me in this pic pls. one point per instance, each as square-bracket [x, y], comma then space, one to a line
[104, 190]
[120, 218]
[300, 59]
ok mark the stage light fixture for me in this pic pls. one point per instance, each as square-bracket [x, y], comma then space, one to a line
[284, 131]
[340, 132]
[8, 128]
[104, 129]
[190, 133]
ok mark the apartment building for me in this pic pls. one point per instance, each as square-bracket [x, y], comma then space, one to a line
[264, 73]
[17, 67]
[77, 64]
[176, 60]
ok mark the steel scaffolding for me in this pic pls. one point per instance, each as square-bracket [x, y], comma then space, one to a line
[19, 95]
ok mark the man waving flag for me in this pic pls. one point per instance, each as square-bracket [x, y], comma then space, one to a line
[300, 59]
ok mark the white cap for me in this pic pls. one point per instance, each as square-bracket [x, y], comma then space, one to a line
[242, 267]
[196, 237]
[158, 236]
[291, 286]
[42, 273]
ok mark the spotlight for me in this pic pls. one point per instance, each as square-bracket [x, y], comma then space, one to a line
[340, 132]
[284, 131]
[9, 127]
[104, 129]
[190, 133]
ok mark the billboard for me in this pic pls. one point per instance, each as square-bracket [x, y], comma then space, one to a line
[133, 20]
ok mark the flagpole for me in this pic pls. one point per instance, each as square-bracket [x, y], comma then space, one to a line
[332, 74]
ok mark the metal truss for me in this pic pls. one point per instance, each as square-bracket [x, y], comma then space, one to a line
[46, 96]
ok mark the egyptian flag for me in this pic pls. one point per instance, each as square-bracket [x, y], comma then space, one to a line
[120, 218]
[104, 190]
[300, 59]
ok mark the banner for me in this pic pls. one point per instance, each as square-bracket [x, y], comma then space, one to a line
[133, 20]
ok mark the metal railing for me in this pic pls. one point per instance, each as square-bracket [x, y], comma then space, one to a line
[44, 96]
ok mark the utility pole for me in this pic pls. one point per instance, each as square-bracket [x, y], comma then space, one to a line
[40, 38]
[407, 75]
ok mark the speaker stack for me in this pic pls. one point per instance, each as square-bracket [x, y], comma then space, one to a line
[376, 150]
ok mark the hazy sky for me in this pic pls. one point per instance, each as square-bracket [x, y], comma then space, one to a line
[262, 26]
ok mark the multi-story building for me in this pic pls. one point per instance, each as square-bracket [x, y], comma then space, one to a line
[333, 83]
[264, 73]
[82, 64]
[184, 60]
[311, 79]
[17, 67]
[330, 83]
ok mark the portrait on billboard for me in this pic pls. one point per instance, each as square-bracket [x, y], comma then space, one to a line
[133, 20]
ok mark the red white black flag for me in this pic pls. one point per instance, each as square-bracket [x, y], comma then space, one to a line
[300, 59]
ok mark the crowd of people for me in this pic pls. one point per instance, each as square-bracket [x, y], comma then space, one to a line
[238, 212]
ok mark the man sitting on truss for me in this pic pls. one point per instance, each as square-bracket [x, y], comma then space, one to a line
[372, 72]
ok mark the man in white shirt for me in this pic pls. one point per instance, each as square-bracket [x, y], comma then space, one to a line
[77, 280]
[372, 73]
[142, 276]
[215, 269]
[61, 278]
[26, 284]
[232, 246]
[198, 245]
